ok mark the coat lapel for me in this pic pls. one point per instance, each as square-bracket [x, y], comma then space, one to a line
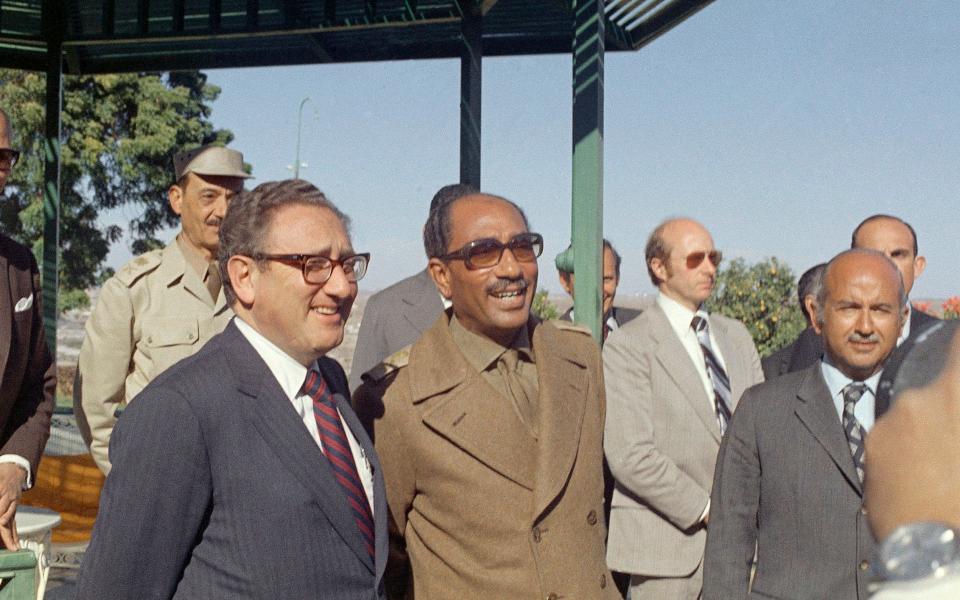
[271, 414]
[675, 361]
[421, 308]
[6, 311]
[471, 414]
[818, 413]
[563, 386]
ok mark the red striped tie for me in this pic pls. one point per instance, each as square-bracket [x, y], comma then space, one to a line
[337, 450]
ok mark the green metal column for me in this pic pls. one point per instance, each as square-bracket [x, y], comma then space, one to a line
[53, 32]
[471, 57]
[587, 219]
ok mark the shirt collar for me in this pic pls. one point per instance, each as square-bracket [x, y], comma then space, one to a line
[836, 380]
[193, 257]
[481, 351]
[289, 373]
[905, 333]
[679, 316]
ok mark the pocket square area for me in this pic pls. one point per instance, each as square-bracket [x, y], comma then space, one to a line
[24, 304]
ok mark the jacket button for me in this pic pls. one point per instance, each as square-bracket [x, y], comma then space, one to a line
[864, 565]
[536, 534]
[592, 517]
[603, 581]
[863, 510]
[552, 596]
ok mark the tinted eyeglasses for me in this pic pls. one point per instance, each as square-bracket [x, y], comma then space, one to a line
[487, 252]
[318, 269]
[9, 156]
[695, 259]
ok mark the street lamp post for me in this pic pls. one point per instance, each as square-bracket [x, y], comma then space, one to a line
[296, 163]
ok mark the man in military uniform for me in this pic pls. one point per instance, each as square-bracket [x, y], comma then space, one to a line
[489, 428]
[162, 306]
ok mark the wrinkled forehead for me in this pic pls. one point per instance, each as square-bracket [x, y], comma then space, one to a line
[480, 216]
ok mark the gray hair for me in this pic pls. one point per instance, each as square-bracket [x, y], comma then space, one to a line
[250, 215]
[822, 291]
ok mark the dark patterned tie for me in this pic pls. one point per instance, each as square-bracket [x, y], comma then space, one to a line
[718, 377]
[851, 426]
[337, 450]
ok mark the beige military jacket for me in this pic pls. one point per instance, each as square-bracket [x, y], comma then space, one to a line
[479, 507]
[154, 312]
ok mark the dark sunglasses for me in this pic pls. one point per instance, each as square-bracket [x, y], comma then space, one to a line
[318, 269]
[695, 259]
[487, 252]
[9, 155]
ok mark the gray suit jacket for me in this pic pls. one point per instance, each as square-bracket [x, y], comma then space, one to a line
[661, 440]
[219, 491]
[785, 464]
[393, 319]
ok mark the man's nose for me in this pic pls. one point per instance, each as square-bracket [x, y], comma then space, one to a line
[338, 286]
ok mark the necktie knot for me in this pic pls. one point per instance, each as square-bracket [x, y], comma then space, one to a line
[315, 387]
[853, 392]
[699, 324]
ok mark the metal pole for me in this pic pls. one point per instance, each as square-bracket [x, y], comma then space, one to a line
[296, 163]
[53, 30]
[587, 210]
[471, 57]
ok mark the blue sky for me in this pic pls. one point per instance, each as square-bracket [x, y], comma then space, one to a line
[779, 125]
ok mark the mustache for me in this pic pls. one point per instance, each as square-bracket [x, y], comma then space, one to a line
[214, 221]
[860, 338]
[503, 283]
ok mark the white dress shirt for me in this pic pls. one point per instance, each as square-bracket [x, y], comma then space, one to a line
[681, 318]
[836, 381]
[290, 374]
[905, 332]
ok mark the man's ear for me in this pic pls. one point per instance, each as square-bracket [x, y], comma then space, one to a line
[810, 302]
[440, 273]
[919, 264]
[659, 269]
[175, 197]
[243, 273]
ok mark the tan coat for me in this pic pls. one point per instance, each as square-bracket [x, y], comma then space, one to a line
[485, 510]
[154, 312]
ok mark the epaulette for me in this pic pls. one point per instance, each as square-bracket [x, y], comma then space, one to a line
[391, 364]
[570, 326]
[138, 267]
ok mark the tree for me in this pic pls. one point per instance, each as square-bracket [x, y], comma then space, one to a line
[763, 297]
[118, 137]
[542, 307]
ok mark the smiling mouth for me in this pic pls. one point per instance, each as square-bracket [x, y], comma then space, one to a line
[326, 310]
[510, 294]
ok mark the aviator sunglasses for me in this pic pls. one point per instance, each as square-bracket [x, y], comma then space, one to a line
[487, 252]
[695, 259]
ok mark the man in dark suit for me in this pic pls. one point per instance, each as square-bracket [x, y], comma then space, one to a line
[613, 316]
[807, 528]
[898, 240]
[778, 363]
[242, 472]
[29, 378]
[395, 317]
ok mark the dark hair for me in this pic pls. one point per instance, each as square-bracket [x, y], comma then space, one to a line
[809, 285]
[877, 217]
[657, 248]
[822, 291]
[443, 197]
[250, 216]
[437, 230]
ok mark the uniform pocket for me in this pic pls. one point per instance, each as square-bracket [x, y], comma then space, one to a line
[166, 332]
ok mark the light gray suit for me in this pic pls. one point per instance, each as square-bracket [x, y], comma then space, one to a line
[662, 439]
[393, 319]
[812, 540]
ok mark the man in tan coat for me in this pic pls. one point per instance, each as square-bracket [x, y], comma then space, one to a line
[489, 428]
[163, 305]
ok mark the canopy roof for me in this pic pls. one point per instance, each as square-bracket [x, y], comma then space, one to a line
[102, 36]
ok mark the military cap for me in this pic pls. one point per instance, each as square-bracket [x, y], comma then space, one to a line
[210, 160]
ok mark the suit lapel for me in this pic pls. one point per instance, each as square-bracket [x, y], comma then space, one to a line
[563, 386]
[271, 414]
[470, 414]
[421, 308]
[816, 410]
[6, 311]
[675, 361]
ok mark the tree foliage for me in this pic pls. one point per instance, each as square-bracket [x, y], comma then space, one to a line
[118, 137]
[543, 308]
[763, 297]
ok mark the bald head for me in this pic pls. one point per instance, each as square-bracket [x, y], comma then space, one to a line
[895, 238]
[682, 261]
[860, 310]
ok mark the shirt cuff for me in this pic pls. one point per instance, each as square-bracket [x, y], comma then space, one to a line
[703, 515]
[23, 464]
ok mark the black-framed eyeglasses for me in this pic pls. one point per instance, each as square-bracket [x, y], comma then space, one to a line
[487, 252]
[317, 269]
[9, 156]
